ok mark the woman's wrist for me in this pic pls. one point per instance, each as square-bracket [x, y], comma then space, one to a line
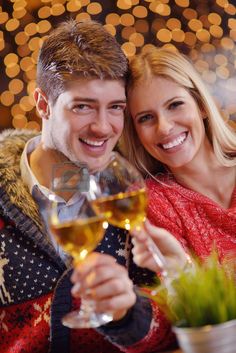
[189, 265]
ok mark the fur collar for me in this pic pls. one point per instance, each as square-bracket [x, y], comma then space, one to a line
[12, 143]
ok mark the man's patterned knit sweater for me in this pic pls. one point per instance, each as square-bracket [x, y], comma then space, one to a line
[35, 286]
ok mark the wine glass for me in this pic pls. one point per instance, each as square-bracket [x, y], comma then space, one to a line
[118, 193]
[77, 229]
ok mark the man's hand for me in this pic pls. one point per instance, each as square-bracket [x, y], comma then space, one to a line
[104, 281]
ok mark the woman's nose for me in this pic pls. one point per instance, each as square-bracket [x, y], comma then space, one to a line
[164, 125]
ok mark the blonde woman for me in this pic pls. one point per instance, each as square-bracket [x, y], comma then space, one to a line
[177, 138]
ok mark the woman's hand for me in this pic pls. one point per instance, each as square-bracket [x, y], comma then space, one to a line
[104, 281]
[173, 252]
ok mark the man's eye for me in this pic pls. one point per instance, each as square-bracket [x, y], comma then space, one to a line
[175, 104]
[80, 107]
[118, 107]
[144, 118]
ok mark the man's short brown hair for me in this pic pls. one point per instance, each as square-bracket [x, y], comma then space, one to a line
[78, 49]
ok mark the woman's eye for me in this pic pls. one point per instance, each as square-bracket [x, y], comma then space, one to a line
[144, 118]
[175, 104]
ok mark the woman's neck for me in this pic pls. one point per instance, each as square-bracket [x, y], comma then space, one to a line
[217, 182]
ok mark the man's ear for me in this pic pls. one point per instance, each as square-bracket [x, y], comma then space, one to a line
[42, 104]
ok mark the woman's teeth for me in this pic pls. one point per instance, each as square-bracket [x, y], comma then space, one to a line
[93, 143]
[178, 141]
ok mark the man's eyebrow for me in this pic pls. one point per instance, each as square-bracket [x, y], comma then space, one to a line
[119, 101]
[84, 99]
[92, 100]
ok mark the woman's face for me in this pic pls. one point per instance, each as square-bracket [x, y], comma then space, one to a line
[168, 122]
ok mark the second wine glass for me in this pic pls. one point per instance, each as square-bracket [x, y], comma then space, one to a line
[118, 192]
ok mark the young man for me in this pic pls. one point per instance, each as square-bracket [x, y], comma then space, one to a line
[80, 97]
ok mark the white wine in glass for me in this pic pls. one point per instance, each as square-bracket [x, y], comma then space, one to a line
[119, 193]
[78, 230]
[125, 210]
[79, 237]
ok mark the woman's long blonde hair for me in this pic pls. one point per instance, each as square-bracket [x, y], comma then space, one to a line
[176, 67]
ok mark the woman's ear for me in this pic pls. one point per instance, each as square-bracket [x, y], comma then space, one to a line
[42, 104]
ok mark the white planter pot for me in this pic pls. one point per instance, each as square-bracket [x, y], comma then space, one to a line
[219, 338]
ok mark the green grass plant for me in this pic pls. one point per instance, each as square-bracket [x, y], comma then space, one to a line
[205, 295]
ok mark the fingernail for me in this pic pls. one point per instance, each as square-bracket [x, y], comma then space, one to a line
[76, 288]
[88, 292]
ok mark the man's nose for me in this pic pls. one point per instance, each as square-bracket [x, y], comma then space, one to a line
[101, 124]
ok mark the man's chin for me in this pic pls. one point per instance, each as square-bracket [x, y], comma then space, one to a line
[98, 164]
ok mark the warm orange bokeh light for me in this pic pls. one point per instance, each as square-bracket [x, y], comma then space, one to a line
[205, 31]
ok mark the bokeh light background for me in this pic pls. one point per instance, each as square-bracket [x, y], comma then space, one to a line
[205, 30]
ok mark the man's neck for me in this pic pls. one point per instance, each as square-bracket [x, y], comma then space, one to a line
[41, 162]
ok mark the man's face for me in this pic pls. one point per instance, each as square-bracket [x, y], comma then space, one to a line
[86, 120]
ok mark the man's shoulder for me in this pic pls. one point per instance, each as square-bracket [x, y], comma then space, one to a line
[17, 135]
[12, 143]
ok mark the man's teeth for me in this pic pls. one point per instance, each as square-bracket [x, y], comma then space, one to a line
[93, 143]
[175, 142]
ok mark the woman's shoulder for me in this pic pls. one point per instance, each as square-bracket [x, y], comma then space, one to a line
[164, 203]
[162, 191]
[161, 183]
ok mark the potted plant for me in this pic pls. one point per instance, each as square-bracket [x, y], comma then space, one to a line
[201, 306]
